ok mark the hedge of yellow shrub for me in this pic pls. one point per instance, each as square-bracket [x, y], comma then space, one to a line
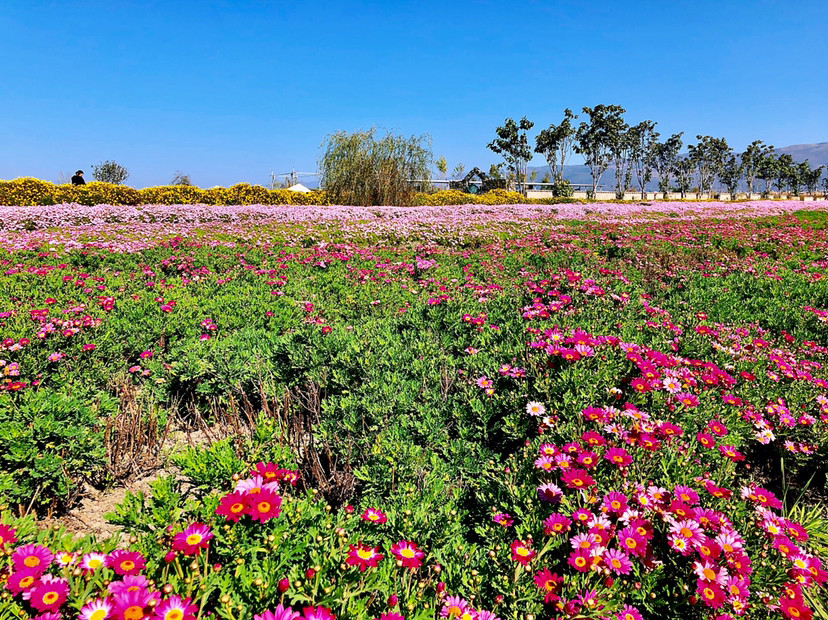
[493, 197]
[28, 191]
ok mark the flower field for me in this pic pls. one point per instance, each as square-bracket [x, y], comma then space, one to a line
[473, 412]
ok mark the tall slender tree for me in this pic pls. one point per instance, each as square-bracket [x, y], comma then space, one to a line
[731, 173]
[751, 159]
[594, 139]
[766, 169]
[708, 155]
[643, 139]
[785, 172]
[512, 143]
[665, 157]
[621, 140]
[555, 144]
[683, 171]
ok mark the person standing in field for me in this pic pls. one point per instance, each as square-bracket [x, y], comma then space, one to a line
[77, 179]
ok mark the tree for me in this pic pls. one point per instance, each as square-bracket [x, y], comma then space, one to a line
[512, 143]
[785, 172]
[181, 179]
[621, 148]
[708, 156]
[643, 140]
[555, 144]
[458, 171]
[751, 160]
[665, 157]
[359, 169]
[801, 175]
[812, 180]
[766, 170]
[442, 165]
[594, 139]
[683, 171]
[110, 172]
[731, 173]
[494, 171]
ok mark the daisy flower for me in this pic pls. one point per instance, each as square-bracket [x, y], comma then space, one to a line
[130, 583]
[8, 536]
[550, 584]
[362, 556]
[577, 479]
[126, 562]
[22, 580]
[175, 608]
[628, 612]
[536, 409]
[454, 607]
[264, 506]
[372, 515]
[233, 506]
[280, 613]
[522, 552]
[49, 595]
[408, 553]
[317, 613]
[98, 609]
[556, 524]
[31, 556]
[93, 561]
[618, 562]
[193, 539]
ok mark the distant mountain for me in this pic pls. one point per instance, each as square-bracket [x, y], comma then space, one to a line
[816, 154]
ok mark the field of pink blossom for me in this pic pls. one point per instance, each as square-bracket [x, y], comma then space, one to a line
[579, 412]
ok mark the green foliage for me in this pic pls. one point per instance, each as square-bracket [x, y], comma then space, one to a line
[49, 442]
[512, 143]
[110, 172]
[359, 169]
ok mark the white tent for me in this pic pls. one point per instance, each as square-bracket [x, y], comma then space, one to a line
[298, 188]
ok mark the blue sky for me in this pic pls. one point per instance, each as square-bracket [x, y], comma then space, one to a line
[228, 91]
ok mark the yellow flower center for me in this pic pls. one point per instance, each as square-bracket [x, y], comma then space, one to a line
[32, 561]
[407, 553]
[709, 574]
[193, 539]
[127, 565]
[133, 613]
[365, 554]
[237, 508]
[264, 506]
[50, 597]
[99, 614]
[174, 614]
[687, 532]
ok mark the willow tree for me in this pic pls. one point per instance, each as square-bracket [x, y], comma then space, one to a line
[360, 169]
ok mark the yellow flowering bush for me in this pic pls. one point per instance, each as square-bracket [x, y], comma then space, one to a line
[28, 191]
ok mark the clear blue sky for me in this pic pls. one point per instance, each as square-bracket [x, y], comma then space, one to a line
[228, 91]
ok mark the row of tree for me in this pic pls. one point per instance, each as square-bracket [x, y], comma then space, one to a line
[604, 138]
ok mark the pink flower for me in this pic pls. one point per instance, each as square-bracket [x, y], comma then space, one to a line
[193, 539]
[408, 553]
[175, 608]
[372, 515]
[522, 552]
[618, 562]
[34, 557]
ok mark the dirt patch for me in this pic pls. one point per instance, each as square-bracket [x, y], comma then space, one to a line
[87, 518]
